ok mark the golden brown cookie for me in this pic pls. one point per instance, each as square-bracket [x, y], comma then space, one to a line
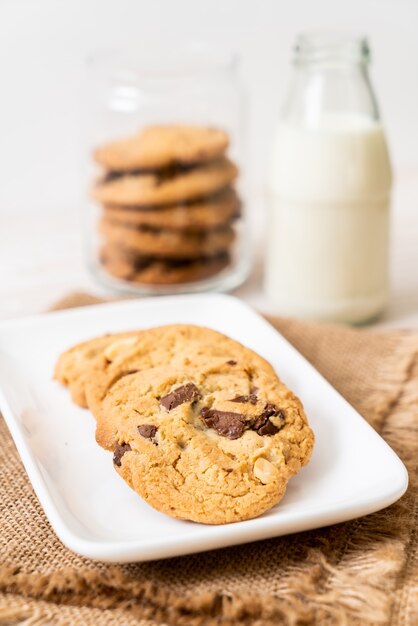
[205, 437]
[203, 214]
[165, 187]
[177, 344]
[200, 426]
[160, 271]
[103, 360]
[167, 243]
[159, 146]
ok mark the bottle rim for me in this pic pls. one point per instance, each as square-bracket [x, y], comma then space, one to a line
[331, 47]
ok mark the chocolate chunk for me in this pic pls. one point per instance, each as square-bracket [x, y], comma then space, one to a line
[254, 390]
[231, 362]
[120, 450]
[147, 430]
[252, 399]
[263, 425]
[226, 424]
[186, 393]
[271, 409]
[268, 428]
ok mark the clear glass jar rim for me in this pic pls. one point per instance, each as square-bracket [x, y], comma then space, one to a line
[331, 45]
[156, 63]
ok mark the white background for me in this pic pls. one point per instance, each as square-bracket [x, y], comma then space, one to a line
[43, 45]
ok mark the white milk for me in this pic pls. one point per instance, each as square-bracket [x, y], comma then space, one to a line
[329, 220]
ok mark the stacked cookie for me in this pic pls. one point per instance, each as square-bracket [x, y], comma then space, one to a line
[199, 425]
[169, 205]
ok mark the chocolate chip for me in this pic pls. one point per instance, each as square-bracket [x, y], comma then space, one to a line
[226, 423]
[231, 362]
[186, 393]
[268, 429]
[271, 409]
[120, 450]
[252, 399]
[147, 430]
[263, 425]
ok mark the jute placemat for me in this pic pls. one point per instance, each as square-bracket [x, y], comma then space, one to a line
[361, 572]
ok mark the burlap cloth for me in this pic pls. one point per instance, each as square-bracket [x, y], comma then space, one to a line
[360, 572]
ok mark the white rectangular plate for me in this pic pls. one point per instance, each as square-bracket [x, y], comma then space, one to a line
[352, 472]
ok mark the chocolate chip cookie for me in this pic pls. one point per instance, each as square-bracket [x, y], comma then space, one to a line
[203, 214]
[157, 147]
[149, 270]
[166, 243]
[99, 362]
[209, 441]
[177, 344]
[169, 186]
[200, 426]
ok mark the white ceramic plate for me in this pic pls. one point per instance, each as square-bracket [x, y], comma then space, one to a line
[352, 472]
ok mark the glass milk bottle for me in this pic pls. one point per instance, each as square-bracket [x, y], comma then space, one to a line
[329, 188]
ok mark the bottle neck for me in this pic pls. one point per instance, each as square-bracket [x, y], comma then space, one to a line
[330, 80]
[331, 50]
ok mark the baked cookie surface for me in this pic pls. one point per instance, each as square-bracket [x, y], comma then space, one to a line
[74, 365]
[211, 212]
[209, 442]
[165, 187]
[175, 344]
[160, 146]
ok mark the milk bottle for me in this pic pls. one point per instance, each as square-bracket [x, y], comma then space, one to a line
[329, 189]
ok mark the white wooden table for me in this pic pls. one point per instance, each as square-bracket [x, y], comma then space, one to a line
[41, 260]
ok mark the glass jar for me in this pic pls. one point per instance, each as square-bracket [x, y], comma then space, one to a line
[329, 188]
[166, 205]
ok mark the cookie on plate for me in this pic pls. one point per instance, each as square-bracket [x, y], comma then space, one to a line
[211, 212]
[157, 147]
[165, 186]
[160, 271]
[199, 425]
[209, 441]
[100, 362]
[175, 344]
